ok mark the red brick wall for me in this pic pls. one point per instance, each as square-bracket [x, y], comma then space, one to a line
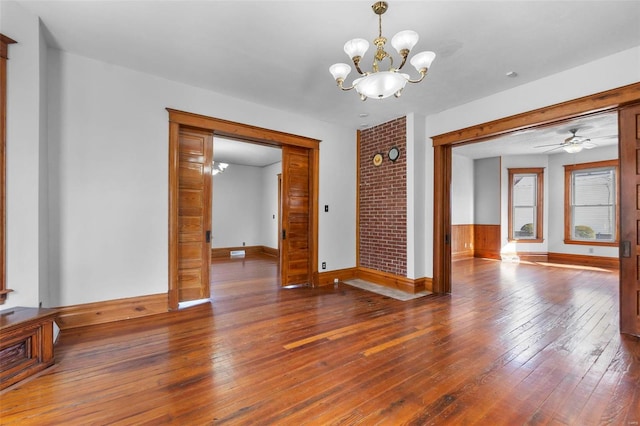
[383, 199]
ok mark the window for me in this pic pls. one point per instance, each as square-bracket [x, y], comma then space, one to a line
[525, 205]
[591, 203]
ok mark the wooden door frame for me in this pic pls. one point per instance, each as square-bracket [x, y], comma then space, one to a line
[610, 100]
[247, 133]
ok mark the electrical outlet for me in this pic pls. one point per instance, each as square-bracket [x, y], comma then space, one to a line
[243, 244]
[324, 265]
[326, 208]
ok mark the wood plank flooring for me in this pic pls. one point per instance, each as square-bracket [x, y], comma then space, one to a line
[514, 344]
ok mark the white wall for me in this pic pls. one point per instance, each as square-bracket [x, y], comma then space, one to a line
[108, 166]
[416, 208]
[269, 211]
[613, 71]
[462, 190]
[237, 207]
[25, 211]
[244, 203]
[486, 188]
[514, 162]
[556, 200]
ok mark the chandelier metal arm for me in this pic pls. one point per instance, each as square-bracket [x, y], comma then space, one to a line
[423, 74]
[405, 55]
[379, 83]
[340, 81]
[356, 62]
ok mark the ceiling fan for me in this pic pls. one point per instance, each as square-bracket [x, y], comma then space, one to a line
[574, 143]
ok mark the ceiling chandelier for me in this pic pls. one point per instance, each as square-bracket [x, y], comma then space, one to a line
[380, 84]
[218, 167]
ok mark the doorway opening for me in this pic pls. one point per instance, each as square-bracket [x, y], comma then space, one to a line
[191, 166]
[510, 201]
[245, 222]
[624, 101]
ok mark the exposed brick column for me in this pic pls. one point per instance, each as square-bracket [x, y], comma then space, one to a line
[383, 199]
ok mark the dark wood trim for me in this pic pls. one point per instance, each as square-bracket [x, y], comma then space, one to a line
[376, 277]
[539, 172]
[314, 219]
[174, 137]
[533, 256]
[607, 100]
[568, 169]
[247, 133]
[240, 131]
[358, 174]
[598, 102]
[327, 278]
[394, 281]
[86, 314]
[4, 55]
[584, 260]
[442, 219]
[222, 252]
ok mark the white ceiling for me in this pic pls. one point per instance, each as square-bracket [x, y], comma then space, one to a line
[278, 53]
[601, 129]
[244, 153]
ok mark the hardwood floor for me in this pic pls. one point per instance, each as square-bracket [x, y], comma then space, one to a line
[514, 344]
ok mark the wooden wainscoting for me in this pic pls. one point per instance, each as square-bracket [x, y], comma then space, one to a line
[462, 241]
[217, 253]
[486, 241]
[85, 314]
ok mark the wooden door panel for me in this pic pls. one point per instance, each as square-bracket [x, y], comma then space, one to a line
[630, 220]
[194, 213]
[296, 190]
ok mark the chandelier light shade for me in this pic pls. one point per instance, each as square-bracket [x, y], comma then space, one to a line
[218, 167]
[377, 83]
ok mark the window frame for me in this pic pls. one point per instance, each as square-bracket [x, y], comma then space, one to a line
[568, 171]
[539, 173]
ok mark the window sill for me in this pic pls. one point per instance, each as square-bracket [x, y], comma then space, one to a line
[528, 241]
[592, 243]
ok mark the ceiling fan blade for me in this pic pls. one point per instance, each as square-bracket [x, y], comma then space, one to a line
[552, 149]
[605, 137]
[551, 144]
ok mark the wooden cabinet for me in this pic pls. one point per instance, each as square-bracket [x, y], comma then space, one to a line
[26, 343]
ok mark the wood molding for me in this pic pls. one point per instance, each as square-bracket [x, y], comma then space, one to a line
[584, 260]
[394, 281]
[533, 256]
[224, 252]
[86, 314]
[568, 170]
[607, 100]
[241, 131]
[326, 278]
[4, 55]
[377, 277]
[244, 132]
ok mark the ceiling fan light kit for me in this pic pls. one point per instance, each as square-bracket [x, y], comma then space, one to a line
[380, 84]
[574, 143]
